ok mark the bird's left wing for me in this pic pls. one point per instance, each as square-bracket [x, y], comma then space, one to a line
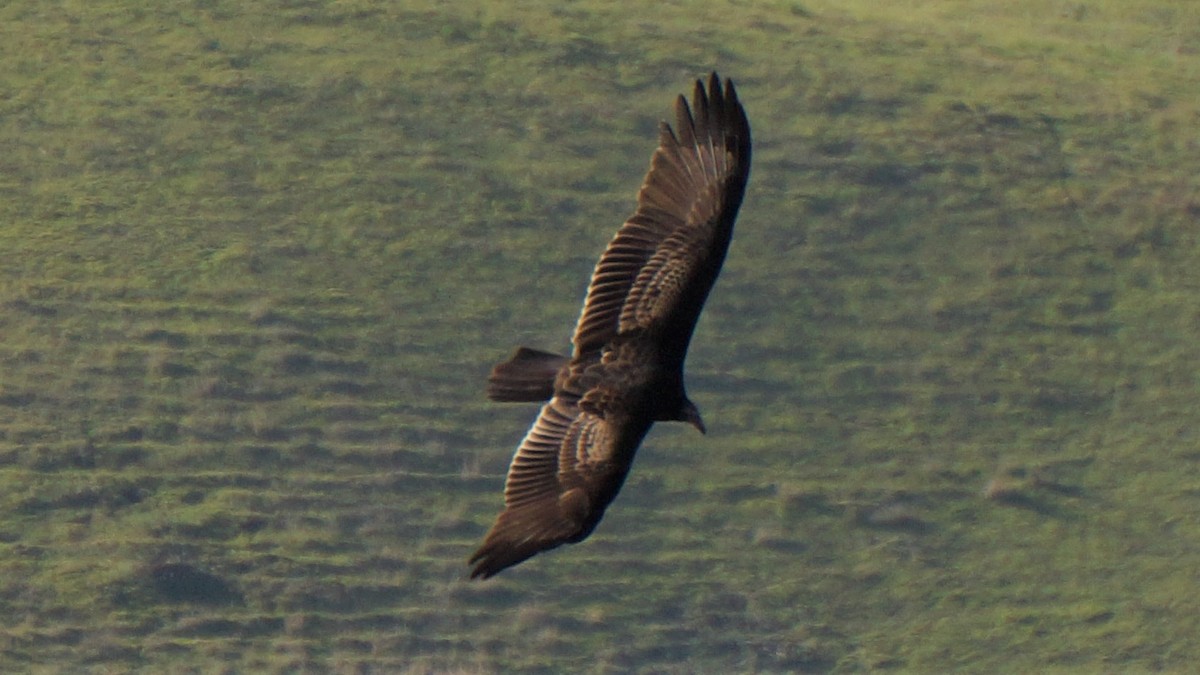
[555, 491]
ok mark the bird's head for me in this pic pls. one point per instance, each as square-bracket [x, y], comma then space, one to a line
[691, 414]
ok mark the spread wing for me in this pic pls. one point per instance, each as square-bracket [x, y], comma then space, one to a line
[560, 481]
[654, 276]
[667, 255]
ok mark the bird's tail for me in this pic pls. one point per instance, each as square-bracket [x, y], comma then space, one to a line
[527, 376]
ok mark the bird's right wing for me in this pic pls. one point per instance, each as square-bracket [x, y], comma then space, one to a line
[712, 150]
[693, 189]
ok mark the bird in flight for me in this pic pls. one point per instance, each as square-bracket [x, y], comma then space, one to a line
[626, 370]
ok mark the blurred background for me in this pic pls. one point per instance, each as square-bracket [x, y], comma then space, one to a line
[256, 261]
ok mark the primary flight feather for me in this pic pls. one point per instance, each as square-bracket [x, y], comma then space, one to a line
[626, 370]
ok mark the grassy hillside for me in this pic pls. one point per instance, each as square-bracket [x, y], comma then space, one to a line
[257, 261]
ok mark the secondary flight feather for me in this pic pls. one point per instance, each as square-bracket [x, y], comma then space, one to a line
[626, 370]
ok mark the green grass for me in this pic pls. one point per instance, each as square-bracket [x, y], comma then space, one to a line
[257, 262]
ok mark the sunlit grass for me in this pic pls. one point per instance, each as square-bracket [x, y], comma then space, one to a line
[257, 261]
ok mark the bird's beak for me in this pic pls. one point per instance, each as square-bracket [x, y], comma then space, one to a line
[692, 417]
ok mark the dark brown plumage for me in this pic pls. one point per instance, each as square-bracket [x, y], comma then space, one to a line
[626, 371]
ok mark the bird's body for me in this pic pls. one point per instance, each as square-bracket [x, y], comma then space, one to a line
[626, 370]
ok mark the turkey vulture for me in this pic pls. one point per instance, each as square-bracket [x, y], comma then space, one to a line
[626, 371]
